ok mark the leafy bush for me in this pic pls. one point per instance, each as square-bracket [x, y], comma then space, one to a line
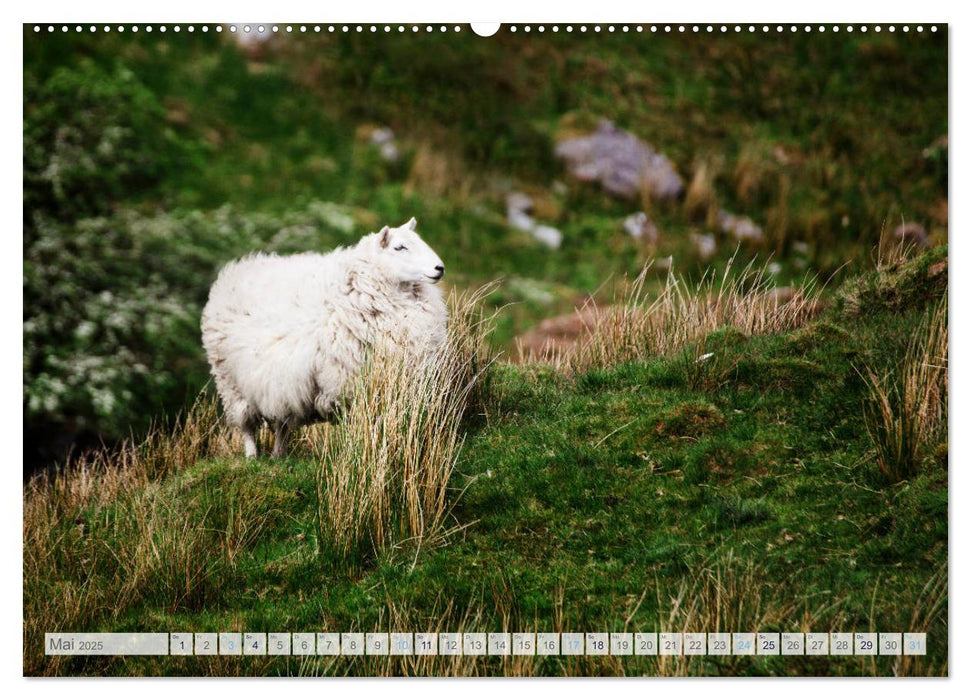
[91, 137]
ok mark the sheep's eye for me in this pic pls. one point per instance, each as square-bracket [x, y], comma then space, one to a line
[400, 247]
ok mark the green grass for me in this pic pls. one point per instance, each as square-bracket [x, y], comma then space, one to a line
[627, 498]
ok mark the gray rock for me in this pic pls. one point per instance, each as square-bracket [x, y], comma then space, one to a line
[705, 245]
[521, 221]
[548, 236]
[518, 206]
[383, 138]
[911, 233]
[390, 152]
[620, 162]
[533, 290]
[741, 228]
[517, 201]
[641, 227]
[253, 38]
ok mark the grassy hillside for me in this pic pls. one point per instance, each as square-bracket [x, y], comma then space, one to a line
[151, 159]
[751, 490]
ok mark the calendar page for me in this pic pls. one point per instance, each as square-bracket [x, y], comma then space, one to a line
[515, 349]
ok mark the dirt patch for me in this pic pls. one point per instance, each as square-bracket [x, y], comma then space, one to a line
[556, 335]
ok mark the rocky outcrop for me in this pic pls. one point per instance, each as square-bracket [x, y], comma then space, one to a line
[624, 165]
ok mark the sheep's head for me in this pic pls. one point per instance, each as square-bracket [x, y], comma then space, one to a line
[405, 257]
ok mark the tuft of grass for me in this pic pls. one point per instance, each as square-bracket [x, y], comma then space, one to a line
[892, 252]
[725, 595]
[197, 435]
[683, 314]
[98, 478]
[929, 616]
[700, 201]
[712, 362]
[690, 419]
[899, 283]
[906, 408]
[384, 471]
[100, 535]
[736, 511]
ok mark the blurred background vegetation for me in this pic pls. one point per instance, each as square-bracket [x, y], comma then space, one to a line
[152, 159]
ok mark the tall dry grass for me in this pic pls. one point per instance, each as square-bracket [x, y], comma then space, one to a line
[700, 200]
[383, 480]
[682, 314]
[906, 410]
[98, 537]
[100, 477]
[737, 595]
[929, 615]
[728, 594]
[891, 251]
[731, 595]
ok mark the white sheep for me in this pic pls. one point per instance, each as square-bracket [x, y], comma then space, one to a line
[284, 334]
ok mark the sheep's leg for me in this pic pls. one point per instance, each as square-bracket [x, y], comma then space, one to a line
[280, 439]
[249, 442]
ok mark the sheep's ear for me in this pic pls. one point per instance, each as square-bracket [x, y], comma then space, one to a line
[385, 234]
[412, 224]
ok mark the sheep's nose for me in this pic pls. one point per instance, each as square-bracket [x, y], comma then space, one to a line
[440, 269]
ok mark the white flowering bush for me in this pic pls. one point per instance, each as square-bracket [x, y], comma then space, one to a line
[112, 307]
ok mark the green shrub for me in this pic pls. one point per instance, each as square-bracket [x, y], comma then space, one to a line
[93, 136]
